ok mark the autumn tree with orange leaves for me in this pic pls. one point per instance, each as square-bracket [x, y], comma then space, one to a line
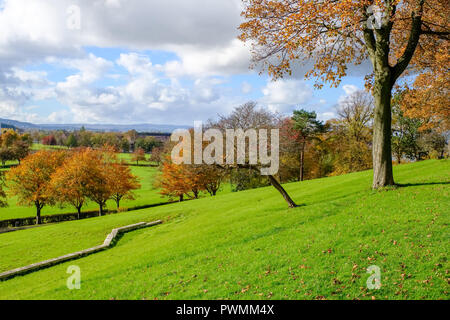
[429, 99]
[122, 182]
[69, 182]
[172, 180]
[99, 187]
[333, 34]
[138, 155]
[30, 181]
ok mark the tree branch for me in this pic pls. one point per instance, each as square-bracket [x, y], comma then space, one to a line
[413, 41]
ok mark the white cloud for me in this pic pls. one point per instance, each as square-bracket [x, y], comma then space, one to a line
[285, 95]
[136, 63]
[149, 95]
[324, 116]
[230, 58]
[349, 89]
[91, 68]
[113, 3]
[246, 87]
[201, 32]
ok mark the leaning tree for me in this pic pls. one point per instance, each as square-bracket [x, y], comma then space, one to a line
[332, 34]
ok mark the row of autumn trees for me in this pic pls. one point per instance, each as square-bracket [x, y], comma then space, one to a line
[184, 180]
[71, 178]
[309, 148]
[14, 146]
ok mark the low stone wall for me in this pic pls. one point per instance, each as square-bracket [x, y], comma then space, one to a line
[30, 221]
[109, 242]
[22, 222]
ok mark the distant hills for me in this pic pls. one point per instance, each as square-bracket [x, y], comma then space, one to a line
[145, 127]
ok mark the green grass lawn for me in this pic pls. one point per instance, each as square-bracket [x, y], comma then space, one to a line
[248, 245]
[128, 158]
[40, 146]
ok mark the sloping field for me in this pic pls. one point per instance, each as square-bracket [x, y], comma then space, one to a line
[248, 245]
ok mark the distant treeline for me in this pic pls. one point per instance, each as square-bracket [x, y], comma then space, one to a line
[126, 142]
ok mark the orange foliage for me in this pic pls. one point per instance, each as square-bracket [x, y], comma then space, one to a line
[333, 34]
[122, 182]
[31, 180]
[173, 180]
[138, 155]
[429, 98]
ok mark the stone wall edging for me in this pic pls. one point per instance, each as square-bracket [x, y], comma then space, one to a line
[109, 241]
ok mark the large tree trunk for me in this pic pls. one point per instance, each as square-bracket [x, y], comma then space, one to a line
[283, 192]
[382, 133]
[79, 212]
[100, 211]
[38, 214]
[302, 160]
[378, 44]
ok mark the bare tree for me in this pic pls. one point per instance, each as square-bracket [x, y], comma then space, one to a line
[356, 111]
[248, 116]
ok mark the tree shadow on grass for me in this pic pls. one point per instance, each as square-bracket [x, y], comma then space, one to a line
[404, 185]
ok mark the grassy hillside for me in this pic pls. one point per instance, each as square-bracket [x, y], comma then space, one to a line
[248, 245]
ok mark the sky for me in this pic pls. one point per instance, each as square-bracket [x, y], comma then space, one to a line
[140, 61]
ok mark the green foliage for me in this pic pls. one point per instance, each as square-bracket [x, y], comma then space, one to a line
[147, 143]
[306, 123]
[245, 179]
[405, 135]
[72, 141]
[433, 143]
[13, 146]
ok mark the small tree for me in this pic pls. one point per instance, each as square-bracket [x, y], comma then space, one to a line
[8, 137]
[3, 197]
[308, 127]
[405, 135]
[5, 155]
[245, 117]
[49, 140]
[172, 180]
[211, 178]
[99, 187]
[434, 144]
[19, 150]
[30, 180]
[138, 155]
[122, 182]
[72, 141]
[125, 145]
[69, 182]
[157, 155]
